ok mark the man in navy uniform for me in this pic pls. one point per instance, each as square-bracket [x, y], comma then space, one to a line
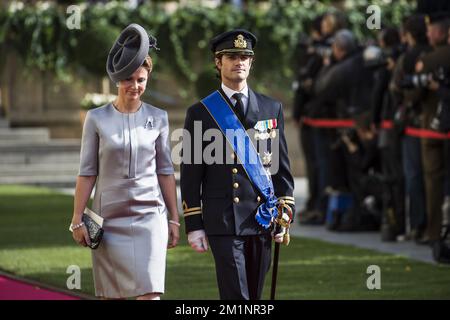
[220, 201]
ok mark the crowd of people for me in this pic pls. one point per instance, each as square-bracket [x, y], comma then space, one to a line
[374, 122]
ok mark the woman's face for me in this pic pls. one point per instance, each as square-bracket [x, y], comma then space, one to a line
[327, 25]
[132, 88]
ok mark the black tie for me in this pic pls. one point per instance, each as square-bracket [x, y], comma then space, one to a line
[239, 106]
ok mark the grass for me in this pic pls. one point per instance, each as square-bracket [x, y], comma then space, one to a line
[35, 244]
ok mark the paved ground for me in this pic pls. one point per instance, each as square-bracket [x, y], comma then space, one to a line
[368, 240]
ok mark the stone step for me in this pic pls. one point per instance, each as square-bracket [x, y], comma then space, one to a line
[59, 145]
[4, 123]
[53, 181]
[38, 169]
[21, 157]
[24, 134]
[50, 163]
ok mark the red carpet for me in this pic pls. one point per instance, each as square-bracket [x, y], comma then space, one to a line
[17, 290]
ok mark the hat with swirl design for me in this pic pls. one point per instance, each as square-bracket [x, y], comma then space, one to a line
[129, 52]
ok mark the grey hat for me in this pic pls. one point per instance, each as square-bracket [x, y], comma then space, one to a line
[345, 40]
[129, 52]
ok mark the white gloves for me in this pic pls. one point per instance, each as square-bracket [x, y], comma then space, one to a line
[198, 241]
[281, 231]
[278, 238]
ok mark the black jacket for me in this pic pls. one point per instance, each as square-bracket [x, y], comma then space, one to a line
[311, 63]
[219, 197]
[344, 88]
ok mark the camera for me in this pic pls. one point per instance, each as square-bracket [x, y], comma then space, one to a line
[376, 57]
[423, 80]
[436, 123]
[441, 120]
[411, 81]
[321, 48]
[442, 76]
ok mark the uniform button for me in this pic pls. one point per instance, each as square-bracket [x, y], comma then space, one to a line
[235, 185]
[258, 198]
[236, 200]
[234, 170]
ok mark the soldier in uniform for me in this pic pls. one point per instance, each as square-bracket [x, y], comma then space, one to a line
[221, 202]
[433, 149]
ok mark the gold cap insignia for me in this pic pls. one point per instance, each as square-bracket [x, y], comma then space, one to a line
[240, 42]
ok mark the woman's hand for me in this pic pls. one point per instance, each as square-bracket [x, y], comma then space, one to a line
[81, 236]
[174, 235]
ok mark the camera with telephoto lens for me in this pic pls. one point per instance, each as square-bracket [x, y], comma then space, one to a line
[441, 120]
[423, 80]
[321, 48]
[411, 81]
[376, 57]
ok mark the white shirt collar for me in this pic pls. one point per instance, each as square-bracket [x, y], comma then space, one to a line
[229, 92]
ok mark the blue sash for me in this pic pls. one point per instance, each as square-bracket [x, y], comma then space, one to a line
[239, 140]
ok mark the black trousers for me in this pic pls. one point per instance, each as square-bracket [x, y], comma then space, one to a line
[241, 265]
[307, 145]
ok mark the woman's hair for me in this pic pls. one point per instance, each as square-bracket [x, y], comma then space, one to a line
[148, 64]
[316, 24]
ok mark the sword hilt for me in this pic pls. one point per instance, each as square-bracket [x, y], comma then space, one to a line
[283, 220]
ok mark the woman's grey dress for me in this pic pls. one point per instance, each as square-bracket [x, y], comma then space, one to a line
[127, 151]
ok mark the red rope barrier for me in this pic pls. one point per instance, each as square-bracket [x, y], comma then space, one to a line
[385, 124]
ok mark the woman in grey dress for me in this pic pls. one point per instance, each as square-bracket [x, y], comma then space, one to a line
[125, 153]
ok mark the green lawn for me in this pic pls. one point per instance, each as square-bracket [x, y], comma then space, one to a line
[35, 243]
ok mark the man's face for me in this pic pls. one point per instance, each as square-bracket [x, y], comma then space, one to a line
[436, 35]
[338, 53]
[234, 67]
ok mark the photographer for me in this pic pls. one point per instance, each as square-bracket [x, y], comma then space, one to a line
[359, 147]
[345, 87]
[383, 109]
[310, 104]
[440, 84]
[310, 63]
[406, 100]
[433, 149]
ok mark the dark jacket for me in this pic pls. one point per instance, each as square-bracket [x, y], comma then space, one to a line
[310, 65]
[220, 197]
[343, 88]
[407, 101]
[439, 57]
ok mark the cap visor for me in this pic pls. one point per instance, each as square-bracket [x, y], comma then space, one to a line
[245, 52]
